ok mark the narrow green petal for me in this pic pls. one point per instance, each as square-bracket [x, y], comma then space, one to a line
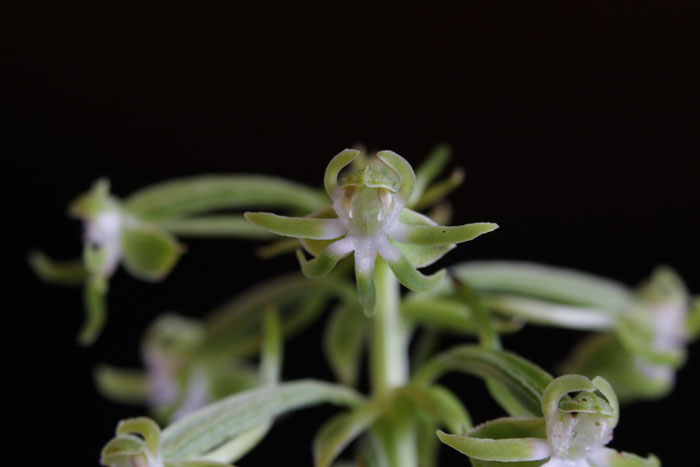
[122, 384]
[694, 319]
[438, 234]
[560, 387]
[364, 276]
[235, 226]
[300, 227]
[429, 169]
[94, 293]
[440, 190]
[342, 159]
[403, 169]
[501, 450]
[340, 430]
[149, 253]
[145, 427]
[57, 272]
[406, 273]
[122, 449]
[323, 263]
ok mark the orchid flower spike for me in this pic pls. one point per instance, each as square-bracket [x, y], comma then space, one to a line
[369, 218]
[572, 433]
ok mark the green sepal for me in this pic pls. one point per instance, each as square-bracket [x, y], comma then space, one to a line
[370, 178]
[420, 255]
[403, 169]
[339, 161]
[203, 430]
[121, 385]
[149, 253]
[230, 226]
[94, 295]
[92, 203]
[339, 431]
[559, 388]
[525, 380]
[439, 404]
[57, 272]
[411, 278]
[343, 342]
[502, 440]
[429, 235]
[299, 227]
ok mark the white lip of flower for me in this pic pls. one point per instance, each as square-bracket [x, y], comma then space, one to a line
[104, 231]
[368, 207]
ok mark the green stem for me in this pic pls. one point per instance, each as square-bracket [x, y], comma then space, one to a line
[389, 364]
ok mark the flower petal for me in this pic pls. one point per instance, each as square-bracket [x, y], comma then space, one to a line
[403, 169]
[364, 276]
[606, 457]
[95, 290]
[323, 263]
[330, 178]
[438, 234]
[405, 272]
[299, 227]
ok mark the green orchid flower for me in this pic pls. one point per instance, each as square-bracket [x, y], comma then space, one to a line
[573, 431]
[368, 217]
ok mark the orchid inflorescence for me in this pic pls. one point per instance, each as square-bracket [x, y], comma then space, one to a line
[215, 384]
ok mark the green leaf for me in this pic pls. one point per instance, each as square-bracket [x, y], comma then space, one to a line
[439, 234]
[449, 316]
[208, 427]
[271, 358]
[440, 404]
[121, 384]
[403, 169]
[299, 227]
[546, 282]
[341, 430]
[235, 226]
[550, 314]
[196, 195]
[94, 293]
[57, 272]
[525, 380]
[502, 440]
[149, 253]
[343, 341]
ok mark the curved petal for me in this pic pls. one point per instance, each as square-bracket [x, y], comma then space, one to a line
[560, 387]
[330, 178]
[403, 169]
[438, 234]
[299, 227]
[607, 390]
[147, 428]
[405, 272]
[94, 292]
[323, 263]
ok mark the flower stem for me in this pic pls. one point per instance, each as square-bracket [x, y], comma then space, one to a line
[389, 364]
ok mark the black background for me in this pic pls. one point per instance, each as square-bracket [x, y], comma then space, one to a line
[577, 128]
